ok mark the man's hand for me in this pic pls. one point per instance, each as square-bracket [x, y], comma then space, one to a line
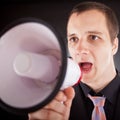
[57, 109]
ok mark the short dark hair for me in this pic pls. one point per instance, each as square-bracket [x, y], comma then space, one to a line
[111, 18]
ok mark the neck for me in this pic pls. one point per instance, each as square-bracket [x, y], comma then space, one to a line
[102, 82]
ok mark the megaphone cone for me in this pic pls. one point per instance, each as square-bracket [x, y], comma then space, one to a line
[34, 66]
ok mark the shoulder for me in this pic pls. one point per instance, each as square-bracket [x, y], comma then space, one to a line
[118, 72]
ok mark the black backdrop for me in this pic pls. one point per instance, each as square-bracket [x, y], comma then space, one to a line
[53, 12]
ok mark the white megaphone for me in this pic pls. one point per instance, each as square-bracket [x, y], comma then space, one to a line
[33, 66]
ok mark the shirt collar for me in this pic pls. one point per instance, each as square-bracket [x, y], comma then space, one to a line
[110, 91]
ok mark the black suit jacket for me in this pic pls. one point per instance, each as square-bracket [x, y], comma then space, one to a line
[78, 110]
[4, 115]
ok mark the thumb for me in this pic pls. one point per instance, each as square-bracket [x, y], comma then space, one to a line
[70, 93]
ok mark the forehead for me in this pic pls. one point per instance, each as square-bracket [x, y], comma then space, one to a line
[91, 14]
[87, 20]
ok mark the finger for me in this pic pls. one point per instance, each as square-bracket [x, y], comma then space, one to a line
[57, 106]
[70, 93]
[61, 96]
[45, 114]
[40, 114]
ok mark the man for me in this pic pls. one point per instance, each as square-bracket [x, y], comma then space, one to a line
[92, 32]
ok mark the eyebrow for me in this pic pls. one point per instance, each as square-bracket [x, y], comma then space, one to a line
[94, 32]
[70, 35]
[89, 32]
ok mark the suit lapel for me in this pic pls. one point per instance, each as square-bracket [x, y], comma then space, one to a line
[78, 110]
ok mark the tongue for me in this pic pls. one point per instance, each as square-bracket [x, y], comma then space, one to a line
[86, 66]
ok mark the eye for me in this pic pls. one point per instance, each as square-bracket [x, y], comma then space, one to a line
[93, 37]
[73, 40]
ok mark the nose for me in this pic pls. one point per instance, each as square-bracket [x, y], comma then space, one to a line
[81, 47]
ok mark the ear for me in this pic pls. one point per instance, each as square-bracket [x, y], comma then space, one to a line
[115, 45]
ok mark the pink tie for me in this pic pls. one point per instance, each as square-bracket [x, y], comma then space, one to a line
[98, 111]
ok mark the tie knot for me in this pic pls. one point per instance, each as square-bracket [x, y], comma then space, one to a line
[97, 101]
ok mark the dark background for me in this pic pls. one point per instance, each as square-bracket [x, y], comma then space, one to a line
[53, 12]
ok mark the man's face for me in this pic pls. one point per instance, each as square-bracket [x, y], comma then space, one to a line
[90, 45]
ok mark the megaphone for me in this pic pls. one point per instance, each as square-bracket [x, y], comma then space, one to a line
[33, 65]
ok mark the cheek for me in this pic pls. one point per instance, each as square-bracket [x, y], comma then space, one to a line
[103, 57]
[75, 56]
[71, 52]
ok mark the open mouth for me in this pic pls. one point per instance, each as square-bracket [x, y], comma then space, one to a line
[85, 67]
